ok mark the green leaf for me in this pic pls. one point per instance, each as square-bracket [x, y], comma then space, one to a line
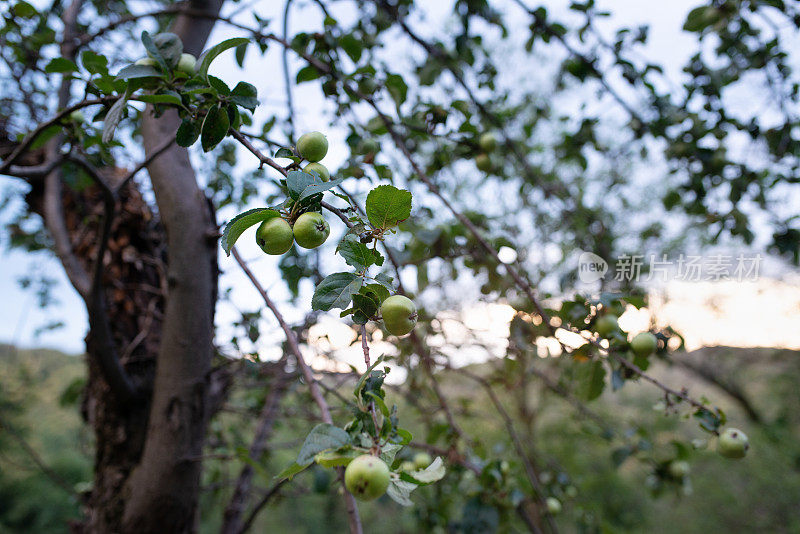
[389, 451]
[152, 49]
[220, 86]
[169, 46]
[322, 437]
[385, 280]
[138, 71]
[379, 402]
[365, 307]
[400, 491]
[591, 379]
[61, 64]
[284, 152]
[290, 472]
[358, 255]
[94, 63]
[245, 95]
[187, 133]
[24, 10]
[405, 436]
[433, 473]
[700, 18]
[239, 54]
[336, 458]
[236, 226]
[302, 185]
[318, 187]
[114, 115]
[45, 135]
[378, 292]
[367, 373]
[306, 74]
[205, 59]
[170, 97]
[335, 291]
[352, 46]
[397, 88]
[387, 206]
[297, 181]
[215, 128]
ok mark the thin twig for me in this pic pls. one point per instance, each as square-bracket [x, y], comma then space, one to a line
[313, 386]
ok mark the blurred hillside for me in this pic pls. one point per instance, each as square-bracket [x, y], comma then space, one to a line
[40, 405]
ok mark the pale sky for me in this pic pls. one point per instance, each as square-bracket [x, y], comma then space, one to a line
[20, 316]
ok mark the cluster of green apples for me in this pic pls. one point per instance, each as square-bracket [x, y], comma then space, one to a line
[313, 146]
[487, 142]
[643, 344]
[732, 443]
[367, 476]
[310, 230]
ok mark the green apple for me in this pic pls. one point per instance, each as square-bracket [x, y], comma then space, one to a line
[77, 116]
[311, 230]
[733, 443]
[366, 477]
[312, 146]
[399, 315]
[571, 491]
[606, 325]
[408, 467]
[483, 162]
[368, 146]
[187, 64]
[553, 505]
[679, 469]
[320, 169]
[487, 142]
[422, 459]
[644, 344]
[274, 236]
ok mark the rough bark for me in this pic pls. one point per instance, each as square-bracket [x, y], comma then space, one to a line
[134, 280]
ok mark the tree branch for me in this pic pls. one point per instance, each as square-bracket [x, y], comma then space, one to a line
[308, 375]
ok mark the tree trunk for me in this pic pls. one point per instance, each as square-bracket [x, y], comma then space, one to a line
[164, 487]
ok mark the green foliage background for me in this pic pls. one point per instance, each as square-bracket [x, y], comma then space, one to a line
[758, 494]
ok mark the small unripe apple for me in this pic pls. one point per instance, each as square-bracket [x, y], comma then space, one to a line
[644, 344]
[320, 169]
[733, 443]
[679, 469]
[311, 230]
[553, 506]
[187, 64]
[399, 315]
[487, 142]
[422, 460]
[606, 325]
[483, 162]
[571, 491]
[312, 146]
[366, 477]
[77, 116]
[274, 236]
[408, 467]
[368, 146]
